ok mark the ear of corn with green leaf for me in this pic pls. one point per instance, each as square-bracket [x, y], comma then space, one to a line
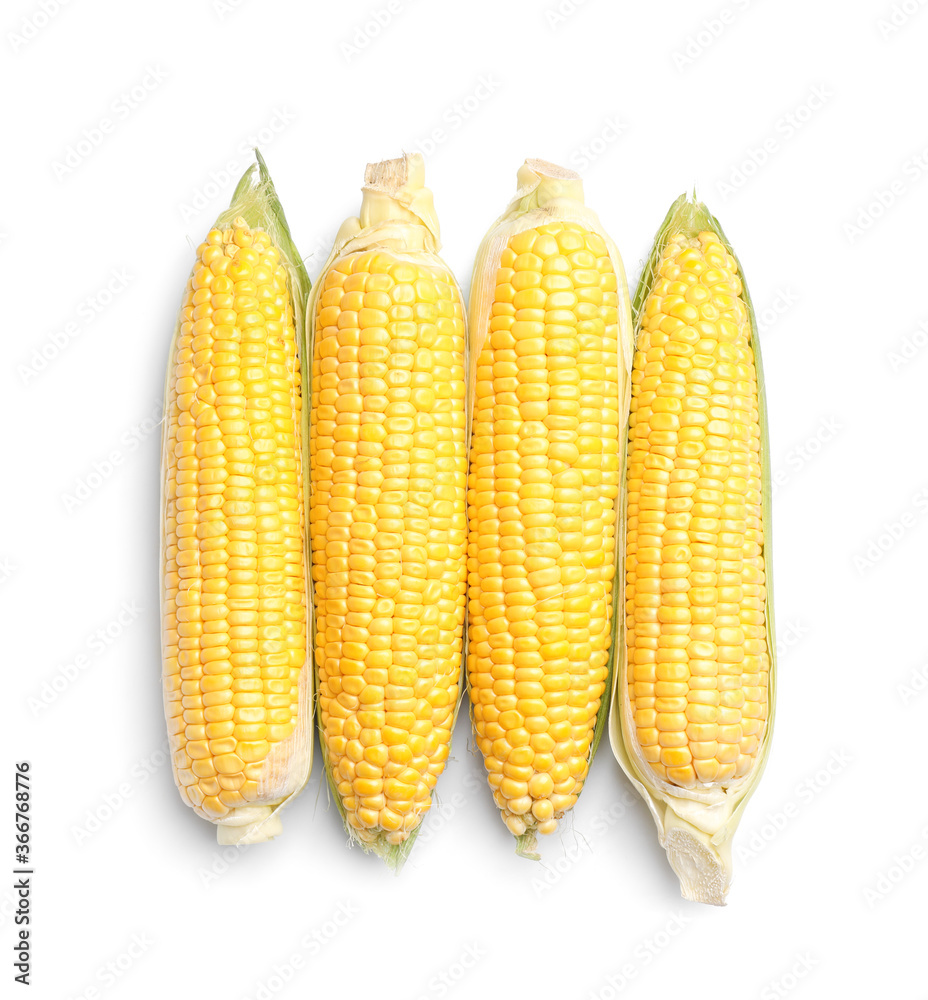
[693, 697]
[237, 677]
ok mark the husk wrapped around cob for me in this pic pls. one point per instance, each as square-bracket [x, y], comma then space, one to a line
[237, 669]
[693, 698]
[386, 335]
[551, 351]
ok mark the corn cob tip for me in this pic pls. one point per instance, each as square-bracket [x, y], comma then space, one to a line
[257, 204]
[690, 215]
[249, 826]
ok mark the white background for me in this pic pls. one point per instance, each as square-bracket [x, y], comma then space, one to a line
[119, 859]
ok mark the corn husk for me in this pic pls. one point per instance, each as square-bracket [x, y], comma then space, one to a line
[287, 768]
[696, 827]
[398, 217]
[549, 193]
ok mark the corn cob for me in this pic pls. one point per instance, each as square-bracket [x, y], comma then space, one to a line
[693, 701]
[387, 521]
[551, 354]
[237, 687]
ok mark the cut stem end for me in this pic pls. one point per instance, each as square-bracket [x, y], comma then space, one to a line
[254, 826]
[703, 868]
[527, 846]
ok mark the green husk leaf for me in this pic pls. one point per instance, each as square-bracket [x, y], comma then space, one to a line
[696, 834]
[256, 201]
